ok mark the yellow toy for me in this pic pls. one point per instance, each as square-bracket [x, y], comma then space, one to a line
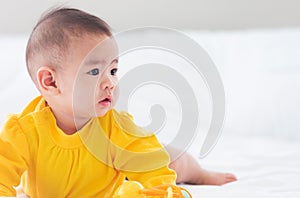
[133, 189]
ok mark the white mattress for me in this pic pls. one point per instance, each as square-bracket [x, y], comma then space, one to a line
[265, 167]
[260, 142]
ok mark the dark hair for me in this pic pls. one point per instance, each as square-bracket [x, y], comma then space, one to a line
[52, 34]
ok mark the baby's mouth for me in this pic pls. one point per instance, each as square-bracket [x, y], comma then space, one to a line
[105, 101]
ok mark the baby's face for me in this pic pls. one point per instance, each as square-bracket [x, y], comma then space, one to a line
[89, 80]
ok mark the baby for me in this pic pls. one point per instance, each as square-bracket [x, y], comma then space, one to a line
[69, 141]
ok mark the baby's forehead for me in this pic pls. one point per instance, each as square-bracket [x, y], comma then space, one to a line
[104, 52]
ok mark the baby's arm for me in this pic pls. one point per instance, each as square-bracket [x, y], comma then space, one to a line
[142, 158]
[13, 157]
[11, 168]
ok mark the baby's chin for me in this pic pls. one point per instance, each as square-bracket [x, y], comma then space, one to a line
[102, 112]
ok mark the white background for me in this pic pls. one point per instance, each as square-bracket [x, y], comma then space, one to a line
[20, 16]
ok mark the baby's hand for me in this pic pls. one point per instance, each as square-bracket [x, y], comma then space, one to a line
[135, 189]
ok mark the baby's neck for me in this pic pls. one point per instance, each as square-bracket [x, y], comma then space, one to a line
[68, 129]
[68, 124]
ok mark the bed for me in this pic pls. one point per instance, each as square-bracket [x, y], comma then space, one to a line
[260, 140]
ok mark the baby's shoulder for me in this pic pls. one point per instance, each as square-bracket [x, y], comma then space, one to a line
[124, 122]
[12, 128]
[24, 121]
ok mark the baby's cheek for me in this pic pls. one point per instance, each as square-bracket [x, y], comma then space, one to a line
[116, 94]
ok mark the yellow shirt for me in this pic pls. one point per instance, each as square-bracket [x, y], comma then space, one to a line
[92, 162]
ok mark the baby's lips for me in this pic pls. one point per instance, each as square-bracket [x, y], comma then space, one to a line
[108, 98]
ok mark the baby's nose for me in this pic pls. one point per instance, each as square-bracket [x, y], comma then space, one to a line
[107, 82]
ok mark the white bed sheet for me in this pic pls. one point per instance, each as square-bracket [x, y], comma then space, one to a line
[265, 167]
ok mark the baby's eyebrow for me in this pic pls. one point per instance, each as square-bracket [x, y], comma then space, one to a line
[116, 60]
[93, 62]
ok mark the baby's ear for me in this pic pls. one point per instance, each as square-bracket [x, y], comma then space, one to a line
[47, 81]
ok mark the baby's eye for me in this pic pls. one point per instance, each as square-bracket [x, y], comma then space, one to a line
[93, 72]
[113, 72]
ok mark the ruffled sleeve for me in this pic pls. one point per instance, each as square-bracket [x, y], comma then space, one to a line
[14, 155]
